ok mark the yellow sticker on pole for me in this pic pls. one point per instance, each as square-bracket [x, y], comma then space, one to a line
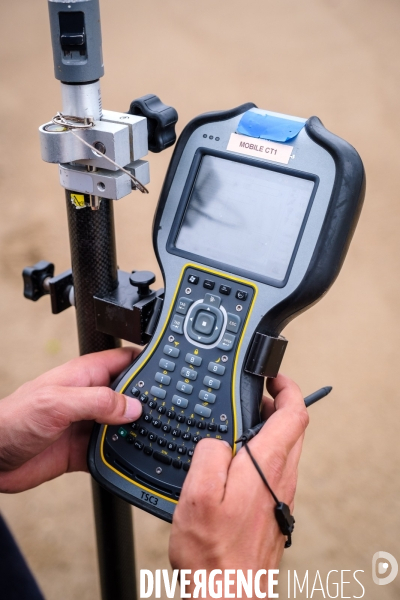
[78, 200]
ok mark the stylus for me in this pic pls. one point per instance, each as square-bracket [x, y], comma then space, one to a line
[308, 400]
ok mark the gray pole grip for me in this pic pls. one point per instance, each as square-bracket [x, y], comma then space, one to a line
[76, 39]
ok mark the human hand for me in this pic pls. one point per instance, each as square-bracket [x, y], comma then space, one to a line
[225, 516]
[45, 424]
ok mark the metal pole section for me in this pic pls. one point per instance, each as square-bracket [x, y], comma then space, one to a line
[94, 268]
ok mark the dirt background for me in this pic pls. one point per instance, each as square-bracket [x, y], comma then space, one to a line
[332, 58]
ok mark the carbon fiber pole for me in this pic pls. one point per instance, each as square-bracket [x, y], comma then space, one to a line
[94, 268]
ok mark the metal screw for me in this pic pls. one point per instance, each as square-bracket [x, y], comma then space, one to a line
[114, 437]
[224, 358]
[141, 384]
[188, 291]
[223, 417]
[100, 147]
[171, 338]
[239, 307]
[159, 470]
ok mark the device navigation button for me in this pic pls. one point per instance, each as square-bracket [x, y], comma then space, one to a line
[184, 387]
[211, 382]
[203, 411]
[177, 323]
[183, 305]
[216, 368]
[233, 323]
[208, 284]
[193, 279]
[207, 396]
[192, 359]
[225, 289]
[241, 295]
[157, 392]
[171, 351]
[164, 379]
[167, 365]
[181, 402]
[212, 300]
[204, 322]
[227, 342]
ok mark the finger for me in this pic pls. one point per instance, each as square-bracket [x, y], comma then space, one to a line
[94, 369]
[267, 407]
[206, 480]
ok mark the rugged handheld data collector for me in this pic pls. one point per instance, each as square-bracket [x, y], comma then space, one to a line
[253, 224]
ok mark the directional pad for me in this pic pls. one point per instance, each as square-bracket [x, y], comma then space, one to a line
[204, 322]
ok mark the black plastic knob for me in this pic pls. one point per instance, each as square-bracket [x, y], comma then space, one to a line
[142, 280]
[34, 278]
[161, 121]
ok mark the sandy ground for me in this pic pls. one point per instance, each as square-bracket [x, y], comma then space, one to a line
[333, 58]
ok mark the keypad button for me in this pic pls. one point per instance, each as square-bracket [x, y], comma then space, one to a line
[184, 387]
[181, 450]
[209, 284]
[143, 398]
[233, 323]
[177, 323]
[190, 422]
[166, 365]
[193, 279]
[207, 396]
[227, 342]
[171, 446]
[183, 305]
[186, 435]
[138, 445]
[241, 295]
[191, 452]
[181, 418]
[177, 464]
[176, 433]
[212, 427]
[147, 450]
[193, 359]
[197, 438]
[171, 351]
[186, 466]
[212, 300]
[171, 414]
[161, 410]
[156, 423]
[166, 428]
[136, 426]
[203, 411]
[167, 460]
[152, 404]
[162, 442]
[152, 437]
[223, 428]
[161, 378]
[135, 392]
[143, 431]
[216, 368]
[211, 382]
[189, 373]
[122, 432]
[225, 289]
[201, 425]
[130, 439]
[158, 392]
[181, 402]
[147, 418]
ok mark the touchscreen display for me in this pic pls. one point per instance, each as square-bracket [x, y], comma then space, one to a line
[244, 216]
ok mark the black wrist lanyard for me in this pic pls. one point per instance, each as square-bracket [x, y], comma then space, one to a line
[282, 512]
